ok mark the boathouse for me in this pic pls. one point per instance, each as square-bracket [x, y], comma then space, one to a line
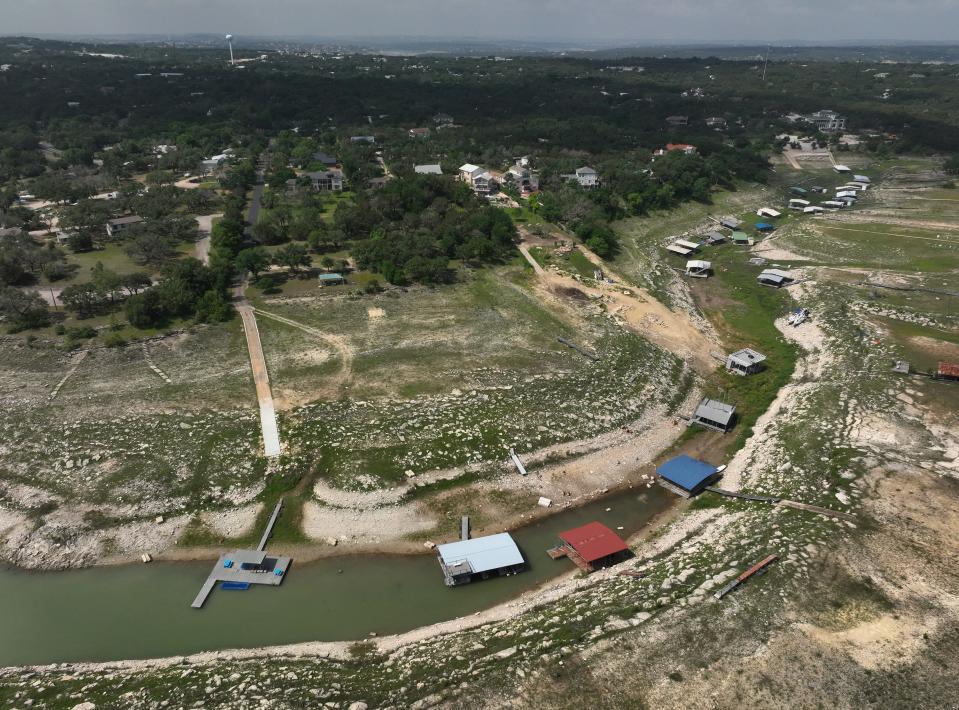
[745, 362]
[466, 561]
[775, 278]
[591, 547]
[713, 414]
[947, 371]
[686, 476]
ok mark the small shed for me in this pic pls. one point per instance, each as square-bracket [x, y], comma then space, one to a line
[768, 212]
[765, 226]
[798, 204]
[947, 371]
[842, 168]
[713, 414]
[694, 246]
[775, 278]
[698, 268]
[677, 248]
[729, 223]
[798, 190]
[332, 279]
[715, 238]
[741, 238]
[593, 546]
[465, 561]
[818, 188]
[834, 204]
[745, 362]
[813, 209]
[861, 178]
[686, 476]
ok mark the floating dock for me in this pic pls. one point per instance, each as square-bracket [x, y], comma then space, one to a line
[239, 569]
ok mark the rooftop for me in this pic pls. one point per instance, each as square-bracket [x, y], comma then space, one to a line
[948, 369]
[686, 472]
[593, 541]
[482, 554]
[747, 356]
[715, 411]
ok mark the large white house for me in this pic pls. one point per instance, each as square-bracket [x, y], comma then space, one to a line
[477, 178]
[585, 176]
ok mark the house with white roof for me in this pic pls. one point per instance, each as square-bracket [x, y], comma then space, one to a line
[585, 176]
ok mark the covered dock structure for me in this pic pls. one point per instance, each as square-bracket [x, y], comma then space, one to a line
[713, 414]
[745, 362]
[947, 371]
[698, 268]
[686, 476]
[775, 278]
[591, 547]
[466, 561]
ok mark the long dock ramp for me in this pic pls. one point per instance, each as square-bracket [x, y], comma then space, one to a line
[828, 512]
[742, 496]
[269, 526]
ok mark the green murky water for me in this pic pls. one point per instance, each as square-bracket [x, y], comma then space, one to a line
[143, 611]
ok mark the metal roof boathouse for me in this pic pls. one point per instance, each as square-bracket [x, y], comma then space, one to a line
[686, 476]
[480, 558]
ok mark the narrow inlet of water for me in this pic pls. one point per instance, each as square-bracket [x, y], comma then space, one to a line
[143, 611]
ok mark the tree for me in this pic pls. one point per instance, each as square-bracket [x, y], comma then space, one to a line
[23, 309]
[293, 256]
[212, 307]
[145, 310]
[136, 282]
[80, 242]
[252, 261]
[151, 248]
[327, 262]
[83, 299]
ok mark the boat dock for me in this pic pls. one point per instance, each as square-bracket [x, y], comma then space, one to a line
[269, 526]
[241, 568]
[516, 462]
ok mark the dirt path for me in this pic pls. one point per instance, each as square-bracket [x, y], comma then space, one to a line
[205, 227]
[271, 431]
[337, 342]
[671, 330]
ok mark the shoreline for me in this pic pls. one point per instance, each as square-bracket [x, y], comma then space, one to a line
[546, 592]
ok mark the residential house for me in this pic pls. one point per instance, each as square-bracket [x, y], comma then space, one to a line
[682, 147]
[362, 139]
[716, 122]
[121, 224]
[419, 133]
[677, 121]
[442, 119]
[477, 178]
[327, 180]
[585, 176]
[325, 159]
[827, 121]
[522, 177]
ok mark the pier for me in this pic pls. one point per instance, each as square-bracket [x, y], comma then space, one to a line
[241, 568]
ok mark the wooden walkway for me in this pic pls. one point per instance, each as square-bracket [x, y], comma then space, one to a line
[828, 512]
[269, 526]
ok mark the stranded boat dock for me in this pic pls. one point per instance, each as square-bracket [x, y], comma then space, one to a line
[239, 569]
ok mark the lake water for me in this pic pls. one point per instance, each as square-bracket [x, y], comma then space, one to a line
[143, 611]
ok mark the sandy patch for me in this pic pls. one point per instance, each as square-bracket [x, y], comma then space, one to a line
[232, 523]
[375, 313]
[354, 527]
[880, 643]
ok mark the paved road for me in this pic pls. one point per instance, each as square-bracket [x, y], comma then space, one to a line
[271, 431]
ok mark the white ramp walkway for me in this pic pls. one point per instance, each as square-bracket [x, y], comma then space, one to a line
[271, 432]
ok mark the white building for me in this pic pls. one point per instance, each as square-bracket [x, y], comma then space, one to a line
[827, 121]
[428, 169]
[585, 176]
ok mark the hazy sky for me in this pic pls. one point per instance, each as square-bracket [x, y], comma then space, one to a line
[606, 20]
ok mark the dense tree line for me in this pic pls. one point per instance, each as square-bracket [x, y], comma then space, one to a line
[410, 229]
